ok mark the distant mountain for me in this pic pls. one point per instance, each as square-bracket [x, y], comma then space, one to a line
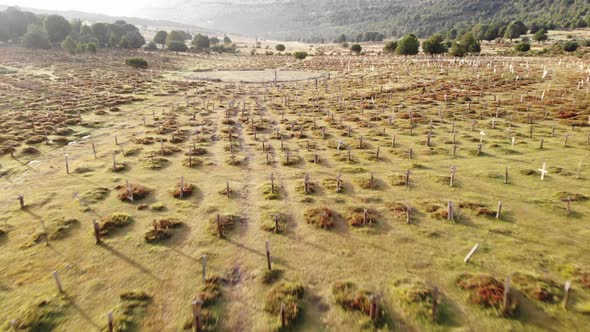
[145, 22]
[314, 19]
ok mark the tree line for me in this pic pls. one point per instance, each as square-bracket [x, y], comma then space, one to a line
[175, 41]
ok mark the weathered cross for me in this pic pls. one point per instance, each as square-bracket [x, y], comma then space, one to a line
[543, 171]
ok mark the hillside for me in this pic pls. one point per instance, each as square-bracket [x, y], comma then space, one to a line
[307, 19]
[94, 17]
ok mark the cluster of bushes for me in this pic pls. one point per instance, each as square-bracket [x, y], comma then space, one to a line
[47, 31]
[175, 41]
[435, 44]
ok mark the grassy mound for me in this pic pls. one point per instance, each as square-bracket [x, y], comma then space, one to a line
[109, 224]
[319, 217]
[268, 194]
[187, 190]
[350, 298]
[485, 291]
[289, 295]
[56, 229]
[356, 217]
[139, 192]
[275, 222]
[538, 288]
[416, 299]
[95, 195]
[226, 223]
[41, 315]
[130, 311]
[161, 229]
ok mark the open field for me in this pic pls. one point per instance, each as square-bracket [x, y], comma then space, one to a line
[370, 184]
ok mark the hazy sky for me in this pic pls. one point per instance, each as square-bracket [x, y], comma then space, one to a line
[111, 7]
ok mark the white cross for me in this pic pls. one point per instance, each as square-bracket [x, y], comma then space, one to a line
[543, 171]
[481, 135]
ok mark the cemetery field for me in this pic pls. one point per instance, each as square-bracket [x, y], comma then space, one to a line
[346, 201]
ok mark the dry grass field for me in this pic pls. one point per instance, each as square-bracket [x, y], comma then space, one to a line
[369, 184]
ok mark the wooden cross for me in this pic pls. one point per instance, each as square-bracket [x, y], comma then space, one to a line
[272, 183]
[453, 172]
[543, 171]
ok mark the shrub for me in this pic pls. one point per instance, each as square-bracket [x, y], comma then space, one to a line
[300, 55]
[356, 48]
[137, 63]
[280, 48]
[570, 46]
[177, 46]
[522, 47]
[91, 48]
[151, 46]
[390, 46]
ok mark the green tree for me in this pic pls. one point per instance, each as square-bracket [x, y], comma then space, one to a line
[514, 29]
[522, 47]
[213, 41]
[175, 36]
[540, 35]
[57, 28]
[280, 47]
[457, 49]
[434, 45]
[408, 45]
[124, 42]
[101, 33]
[356, 48]
[177, 46]
[201, 42]
[390, 46]
[479, 31]
[91, 48]
[300, 55]
[69, 44]
[570, 46]
[470, 43]
[160, 38]
[135, 38]
[36, 38]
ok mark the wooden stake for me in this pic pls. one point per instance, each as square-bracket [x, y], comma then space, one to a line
[499, 210]
[57, 281]
[268, 255]
[204, 267]
[506, 300]
[96, 231]
[21, 200]
[471, 252]
[196, 305]
[110, 321]
[566, 294]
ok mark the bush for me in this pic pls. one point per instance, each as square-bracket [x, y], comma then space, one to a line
[409, 45]
[91, 48]
[356, 48]
[177, 46]
[137, 63]
[151, 46]
[390, 46]
[300, 55]
[280, 47]
[522, 47]
[570, 46]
